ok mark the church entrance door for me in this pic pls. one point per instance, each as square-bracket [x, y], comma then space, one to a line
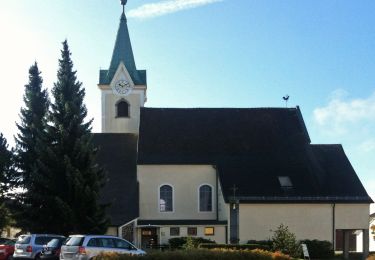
[149, 237]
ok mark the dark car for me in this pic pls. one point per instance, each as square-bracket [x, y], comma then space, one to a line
[52, 249]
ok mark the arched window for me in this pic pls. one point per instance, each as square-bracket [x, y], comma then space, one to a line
[205, 198]
[166, 198]
[122, 109]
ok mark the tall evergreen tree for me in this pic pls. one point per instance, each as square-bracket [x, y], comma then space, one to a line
[6, 178]
[30, 141]
[70, 162]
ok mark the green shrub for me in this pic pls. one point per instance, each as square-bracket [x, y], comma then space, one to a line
[177, 242]
[285, 241]
[200, 254]
[235, 247]
[319, 249]
[188, 242]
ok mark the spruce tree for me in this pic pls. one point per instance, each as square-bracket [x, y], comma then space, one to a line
[32, 125]
[6, 178]
[30, 142]
[70, 162]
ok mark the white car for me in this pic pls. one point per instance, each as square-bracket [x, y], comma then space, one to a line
[85, 247]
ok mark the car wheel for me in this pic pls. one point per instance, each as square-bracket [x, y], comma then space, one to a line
[37, 257]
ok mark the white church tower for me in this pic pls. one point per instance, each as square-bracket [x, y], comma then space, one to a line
[122, 86]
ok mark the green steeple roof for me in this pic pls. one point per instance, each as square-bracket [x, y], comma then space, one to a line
[123, 52]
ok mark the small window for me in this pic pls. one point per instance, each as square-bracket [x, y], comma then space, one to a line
[146, 232]
[205, 198]
[209, 231]
[285, 182]
[192, 231]
[174, 231]
[122, 108]
[166, 198]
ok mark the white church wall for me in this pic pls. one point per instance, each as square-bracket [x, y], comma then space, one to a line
[306, 221]
[112, 231]
[372, 236]
[223, 209]
[352, 216]
[185, 180]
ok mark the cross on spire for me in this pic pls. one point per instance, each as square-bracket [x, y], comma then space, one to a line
[234, 189]
[123, 3]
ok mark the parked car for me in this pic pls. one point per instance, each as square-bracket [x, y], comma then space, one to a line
[30, 246]
[3, 240]
[51, 250]
[85, 247]
[7, 249]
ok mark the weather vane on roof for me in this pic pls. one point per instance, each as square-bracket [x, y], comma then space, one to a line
[123, 3]
[286, 98]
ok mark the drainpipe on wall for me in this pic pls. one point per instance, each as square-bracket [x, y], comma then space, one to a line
[217, 194]
[333, 226]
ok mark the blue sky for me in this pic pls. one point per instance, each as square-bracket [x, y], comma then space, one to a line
[212, 53]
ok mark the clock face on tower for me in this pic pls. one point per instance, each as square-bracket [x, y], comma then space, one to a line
[122, 88]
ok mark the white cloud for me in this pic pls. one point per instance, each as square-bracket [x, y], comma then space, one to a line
[368, 145]
[167, 7]
[339, 114]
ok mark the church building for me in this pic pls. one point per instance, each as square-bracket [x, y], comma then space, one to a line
[226, 174]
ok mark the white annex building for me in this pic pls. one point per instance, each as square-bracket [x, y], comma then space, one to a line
[226, 174]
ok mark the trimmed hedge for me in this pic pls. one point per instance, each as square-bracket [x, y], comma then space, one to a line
[235, 247]
[199, 254]
[179, 242]
[319, 248]
[267, 243]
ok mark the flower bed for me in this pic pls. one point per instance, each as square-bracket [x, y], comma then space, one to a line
[200, 254]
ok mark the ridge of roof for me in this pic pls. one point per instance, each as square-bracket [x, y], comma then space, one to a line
[220, 108]
[326, 145]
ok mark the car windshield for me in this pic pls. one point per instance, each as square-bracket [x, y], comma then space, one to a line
[74, 241]
[56, 242]
[43, 240]
[24, 240]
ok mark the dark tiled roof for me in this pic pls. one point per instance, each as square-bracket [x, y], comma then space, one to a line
[206, 135]
[341, 179]
[251, 149]
[118, 156]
